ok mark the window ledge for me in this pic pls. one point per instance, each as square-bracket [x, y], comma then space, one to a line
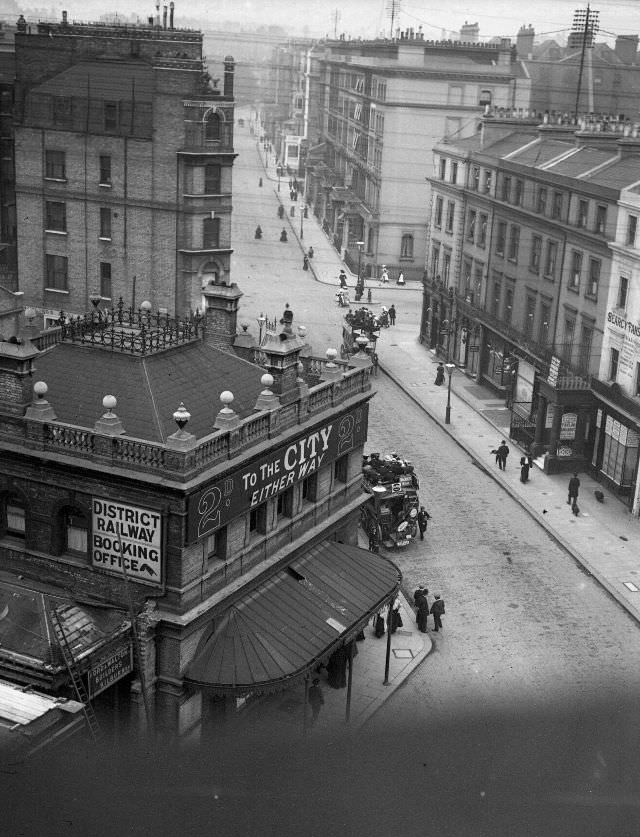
[104, 238]
[575, 289]
[105, 185]
[407, 259]
[56, 179]
[56, 232]
[56, 291]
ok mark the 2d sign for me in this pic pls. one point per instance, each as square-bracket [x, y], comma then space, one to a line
[275, 472]
[126, 540]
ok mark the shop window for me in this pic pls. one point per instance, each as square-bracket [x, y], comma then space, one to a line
[76, 527]
[406, 246]
[620, 452]
[258, 520]
[56, 270]
[55, 165]
[56, 216]
[310, 488]
[614, 360]
[15, 517]
[341, 469]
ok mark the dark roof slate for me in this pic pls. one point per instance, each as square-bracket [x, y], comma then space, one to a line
[619, 174]
[148, 389]
[541, 152]
[582, 161]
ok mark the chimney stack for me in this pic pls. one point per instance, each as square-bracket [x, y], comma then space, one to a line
[164, 17]
[171, 7]
[229, 69]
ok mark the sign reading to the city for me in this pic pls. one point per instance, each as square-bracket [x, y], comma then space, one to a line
[274, 472]
[126, 540]
[108, 671]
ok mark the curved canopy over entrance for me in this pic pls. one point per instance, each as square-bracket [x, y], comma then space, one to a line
[294, 620]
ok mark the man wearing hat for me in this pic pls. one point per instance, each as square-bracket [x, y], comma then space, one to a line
[437, 611]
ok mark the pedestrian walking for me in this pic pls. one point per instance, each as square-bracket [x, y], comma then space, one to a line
[305, 263]
[400, 279]
[502, 453]
[260, 182]
[310, 252]
[316, 699]
[437, 611]
[258, 232]
[423, 518]
[440, 375]
[392, 315]
[283, 235]
[419, 593]
[524, 469]
[342, 278]
[384, 276]
[574, 486]
[378, 626]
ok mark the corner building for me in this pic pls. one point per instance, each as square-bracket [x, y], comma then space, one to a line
[124, 154]
[226, 532]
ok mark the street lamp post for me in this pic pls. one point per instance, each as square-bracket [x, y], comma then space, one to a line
[359, 284]
[449, 367]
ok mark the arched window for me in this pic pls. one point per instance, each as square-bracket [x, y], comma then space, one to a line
[406, 247]
[211, 234]
[76, 529]
[212, 127]
[15, 516]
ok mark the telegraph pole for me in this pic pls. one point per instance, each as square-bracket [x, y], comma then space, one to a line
[585, 21]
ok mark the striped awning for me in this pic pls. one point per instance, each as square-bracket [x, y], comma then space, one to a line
[294, 620]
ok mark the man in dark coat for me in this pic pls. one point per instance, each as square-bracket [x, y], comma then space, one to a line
[423, 518]
[440, 375]
[419, 594]
[423, 613]
[392, 315]
[316, 699]
[501, 455]
[437, 611]
[574, 485]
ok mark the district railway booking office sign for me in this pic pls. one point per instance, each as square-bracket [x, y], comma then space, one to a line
[126, 539]
[274, 472]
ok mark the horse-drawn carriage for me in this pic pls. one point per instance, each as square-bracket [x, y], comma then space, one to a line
[390, 516]
[359, 323]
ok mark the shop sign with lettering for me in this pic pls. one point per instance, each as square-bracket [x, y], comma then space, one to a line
[108, 671]
[568, 425]
[126, 539]
[272, 473]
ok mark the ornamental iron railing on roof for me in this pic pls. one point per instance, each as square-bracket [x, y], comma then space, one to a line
[136, 331]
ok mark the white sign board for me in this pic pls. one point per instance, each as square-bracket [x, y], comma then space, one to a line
[129, 536]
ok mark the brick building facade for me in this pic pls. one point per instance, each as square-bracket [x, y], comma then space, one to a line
[123, 167]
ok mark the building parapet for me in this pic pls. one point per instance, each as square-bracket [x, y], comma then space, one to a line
[128, 30]
[214, 450]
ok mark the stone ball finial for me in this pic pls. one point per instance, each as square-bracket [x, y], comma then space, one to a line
[267, 380]
[302, 331]
[332, 354]
[226, 397]
[145, 306]
[40, 389]
[109, 402]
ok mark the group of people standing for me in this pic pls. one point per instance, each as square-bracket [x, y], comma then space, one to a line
[425, 607]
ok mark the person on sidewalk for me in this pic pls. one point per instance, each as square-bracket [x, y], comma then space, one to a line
[378, 626]
[574, 486]
[423, 518]
[384, 276]
[394, 620]
[305, 262]
[400, 279]
[310, 252]
[283, 235]
[316, 699]
[501, 455]
[418, 594]
[392, 315]
[524, 469]
[437, 611]
[342, 278]
[422, 617]
[440, 375]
